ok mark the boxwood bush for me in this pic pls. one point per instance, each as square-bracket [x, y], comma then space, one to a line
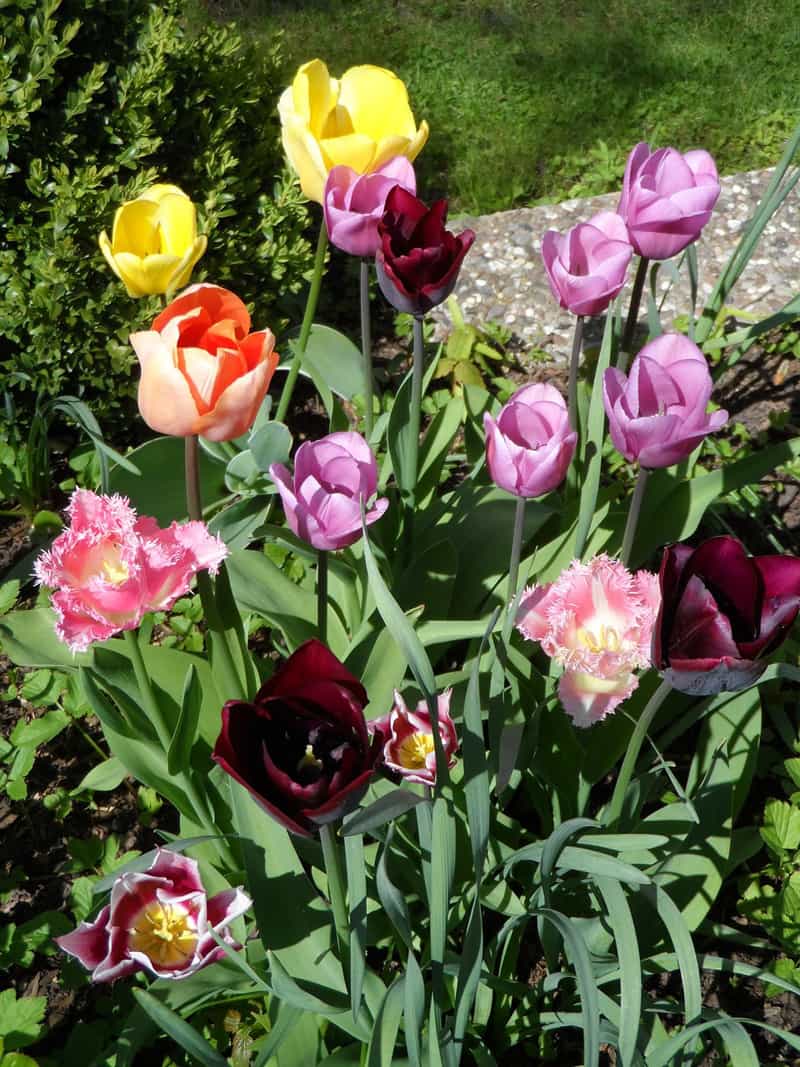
[98, 99]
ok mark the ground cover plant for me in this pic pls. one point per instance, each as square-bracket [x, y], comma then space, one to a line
[490, 77]
[445, 730]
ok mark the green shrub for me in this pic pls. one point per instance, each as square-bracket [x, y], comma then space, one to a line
[98, 99]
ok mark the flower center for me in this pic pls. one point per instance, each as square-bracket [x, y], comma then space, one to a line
[115, 570]
[165, 933]
[414, 750]
[308, 761]
[605, 640]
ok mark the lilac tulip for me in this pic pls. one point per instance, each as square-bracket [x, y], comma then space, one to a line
[354, 203]
[530, 445]
[657, 415]
[667, 199]
[332, 477]
[586, 266]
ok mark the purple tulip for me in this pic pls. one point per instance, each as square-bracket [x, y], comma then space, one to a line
[354, 203]
[667, 199]
[657, 415]
[722, 612]
[586, 266]
[530, 446]
[332, 477]
[418, 260]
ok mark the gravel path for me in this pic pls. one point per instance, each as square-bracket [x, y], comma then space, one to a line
[503, 277]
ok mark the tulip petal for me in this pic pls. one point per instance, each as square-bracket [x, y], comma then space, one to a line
[377, 102]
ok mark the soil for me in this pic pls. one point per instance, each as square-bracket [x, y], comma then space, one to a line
[35, 841]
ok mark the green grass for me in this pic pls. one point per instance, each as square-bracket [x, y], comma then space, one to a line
[542, 99]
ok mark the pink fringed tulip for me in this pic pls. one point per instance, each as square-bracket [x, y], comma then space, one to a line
[203, 372]
[332, 477]
[586, 266]
[667, 198]
[530, 445]
[722, 613]
[159, 921]
[409, 747]
[596, 620]
[657, 415]
[109, 568]
[354, 203]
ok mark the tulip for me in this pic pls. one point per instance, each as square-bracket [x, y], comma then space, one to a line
[722, 613]
[596, 620]
[354, 204]
[332, 476]
[159, 921]
[154, 244]
[667, 199]
[586, 266]
[361, 120]
[409, 750]
[657, 415]
[110, 568]
[203, 372]
[530, 445]
[301, 748]
[418, 260]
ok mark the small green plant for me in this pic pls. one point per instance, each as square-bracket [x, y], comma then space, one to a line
[473, 354]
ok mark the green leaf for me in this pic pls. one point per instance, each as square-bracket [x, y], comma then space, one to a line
[476, 771]
[272, 443]
[623, 928]
[238, 523]
[443, 862]
[160, 491]
[9, 591]
[29, 639]
[185, 733]
[413, 1007]
[40, 730]
[434, 449]
[469, 972]
[20, 1020]
[357, 916]
[334, 359]
[681, 938]
[103, 778]
[179, 1030]
[385, 809]
[781, 829]
[387, 1023]
[392, 900]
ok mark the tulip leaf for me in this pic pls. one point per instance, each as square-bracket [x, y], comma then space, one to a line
[103, 778]
[387, 1024]
[355, 865]
[29, 639]
[399, 428]
[272, 443]
[429, 580]
[185, 733]
[476, 771]
[620, 919]
[179, 1030]
[332, 357]
[160, 489]
[384, 809]
[469, 972]
[238, 524]
[434, 449]
[392, 900]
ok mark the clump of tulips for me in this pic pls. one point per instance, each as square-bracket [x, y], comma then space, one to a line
[445, 738]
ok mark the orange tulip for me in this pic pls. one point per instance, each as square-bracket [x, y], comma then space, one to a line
[203, 372]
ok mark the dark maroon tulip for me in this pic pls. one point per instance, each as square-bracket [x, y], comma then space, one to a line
[418, 260]
[302, 748]
[722, 612]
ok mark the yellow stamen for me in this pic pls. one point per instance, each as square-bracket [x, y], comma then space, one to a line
[308, 759]
[607, 641]
[414, 750]
[165, 933]
[115, 571]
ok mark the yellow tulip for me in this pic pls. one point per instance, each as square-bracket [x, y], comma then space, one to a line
[154, 244]
[362, 120]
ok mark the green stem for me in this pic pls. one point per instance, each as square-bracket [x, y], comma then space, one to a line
[322, 596]
[633, 515]
[412, 453]
[308, 319]
[572, 389]
[633, 314]
[513, 567]
[336, 890]
[366, 349]
[617, 801]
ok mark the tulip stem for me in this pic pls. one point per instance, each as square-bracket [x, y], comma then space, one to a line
[633, 314]
[336, 890]
[322, 595]
[414, 415]
[572, 389]
[366, 348]
[234, 687]
[513, 567]
[633, 515]
[614, 810]
[305, 329]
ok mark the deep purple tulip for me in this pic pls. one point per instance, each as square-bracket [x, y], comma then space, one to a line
[301, 748]
[722, 612]
[586, 266]
[657, 415]
[332, 476]
[354, 203]
[530, 445]
[667, 198]
[418, 260]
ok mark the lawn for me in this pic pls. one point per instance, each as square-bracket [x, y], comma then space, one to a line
[541, 99]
